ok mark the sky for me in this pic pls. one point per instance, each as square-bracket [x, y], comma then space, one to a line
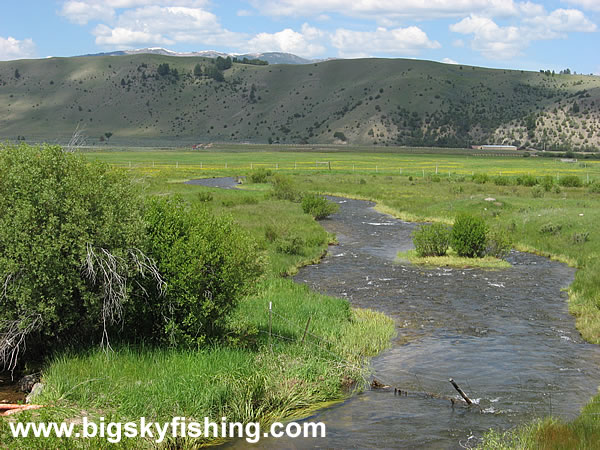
[527, 35]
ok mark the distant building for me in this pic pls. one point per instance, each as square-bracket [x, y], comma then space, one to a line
[493, 147]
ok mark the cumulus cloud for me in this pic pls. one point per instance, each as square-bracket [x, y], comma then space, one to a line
[506, 42]
[559, 22]
[84, 11]
[377, 8]
[11, 48]
[165, 26]
[592, 5]
[395, 42]
[302, 43]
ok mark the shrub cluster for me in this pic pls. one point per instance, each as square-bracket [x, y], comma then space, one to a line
[570, 181]
[317, 206]
[261, 175]
[283, 189]
[469, 237]
[83, 257]
[431, 240]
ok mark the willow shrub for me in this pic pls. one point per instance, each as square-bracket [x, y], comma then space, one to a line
[54, 208]
[431, 240]
[469, 236]
[318, 206]
[84, 259]
[207, 262]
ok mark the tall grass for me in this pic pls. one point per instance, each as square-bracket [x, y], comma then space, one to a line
[276, 378]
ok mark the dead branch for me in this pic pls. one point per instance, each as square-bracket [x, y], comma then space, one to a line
[77, 140]
[7, 281]
[12, 339]
[110, 272]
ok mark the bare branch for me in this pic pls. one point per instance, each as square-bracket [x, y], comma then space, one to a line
[7, 281]
[77, 140]
[12, 339]
[110, 271]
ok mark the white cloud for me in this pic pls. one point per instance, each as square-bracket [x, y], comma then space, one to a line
[493, 41]
[561, 21]
[395, 42]
[378, 8]
[11, 48]
[503, 43]
[531, 9]
[449, 61]
[593, 5]
[165, 26]
[84, 11]
[289, 41]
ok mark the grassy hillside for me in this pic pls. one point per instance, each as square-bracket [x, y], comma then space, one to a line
[361, 102]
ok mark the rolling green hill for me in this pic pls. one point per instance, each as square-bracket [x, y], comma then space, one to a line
[362, 102]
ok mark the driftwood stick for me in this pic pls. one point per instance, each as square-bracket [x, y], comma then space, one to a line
[306, 329]
[461, 392]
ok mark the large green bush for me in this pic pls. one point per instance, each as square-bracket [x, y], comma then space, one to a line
[207, 262]
[469, 236]
[431, 240]
[83, 258]
[318, 207]
[70, 240]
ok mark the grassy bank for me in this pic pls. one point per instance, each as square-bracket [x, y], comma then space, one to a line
[251, 374]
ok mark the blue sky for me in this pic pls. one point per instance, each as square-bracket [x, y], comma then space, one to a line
[552, 34]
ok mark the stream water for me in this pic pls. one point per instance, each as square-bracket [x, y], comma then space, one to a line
[505, 336]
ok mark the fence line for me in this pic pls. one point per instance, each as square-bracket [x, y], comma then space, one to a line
[589, 174]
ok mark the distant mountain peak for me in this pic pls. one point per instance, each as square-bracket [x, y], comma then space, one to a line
[270, 57]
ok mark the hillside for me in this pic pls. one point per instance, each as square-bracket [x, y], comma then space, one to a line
[368, 101]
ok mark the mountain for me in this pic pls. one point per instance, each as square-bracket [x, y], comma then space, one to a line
[359, 102]
[270, 57]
